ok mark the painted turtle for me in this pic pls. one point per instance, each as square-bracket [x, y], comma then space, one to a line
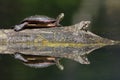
[39, 21]
[37, 61]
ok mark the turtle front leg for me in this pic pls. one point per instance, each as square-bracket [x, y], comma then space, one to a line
[20, 26]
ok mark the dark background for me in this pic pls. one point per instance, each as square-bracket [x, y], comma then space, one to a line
[105, 18]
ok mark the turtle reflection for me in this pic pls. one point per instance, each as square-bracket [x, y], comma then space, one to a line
[38, 61]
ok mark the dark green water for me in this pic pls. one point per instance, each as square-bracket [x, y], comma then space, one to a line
[105, 63]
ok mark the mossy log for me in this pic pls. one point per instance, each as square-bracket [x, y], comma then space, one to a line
[68, 41]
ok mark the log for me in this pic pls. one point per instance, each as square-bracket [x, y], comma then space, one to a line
[72, 42]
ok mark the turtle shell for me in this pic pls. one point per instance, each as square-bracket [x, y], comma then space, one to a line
[39, 19]
[39, 65]
[39, 61]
